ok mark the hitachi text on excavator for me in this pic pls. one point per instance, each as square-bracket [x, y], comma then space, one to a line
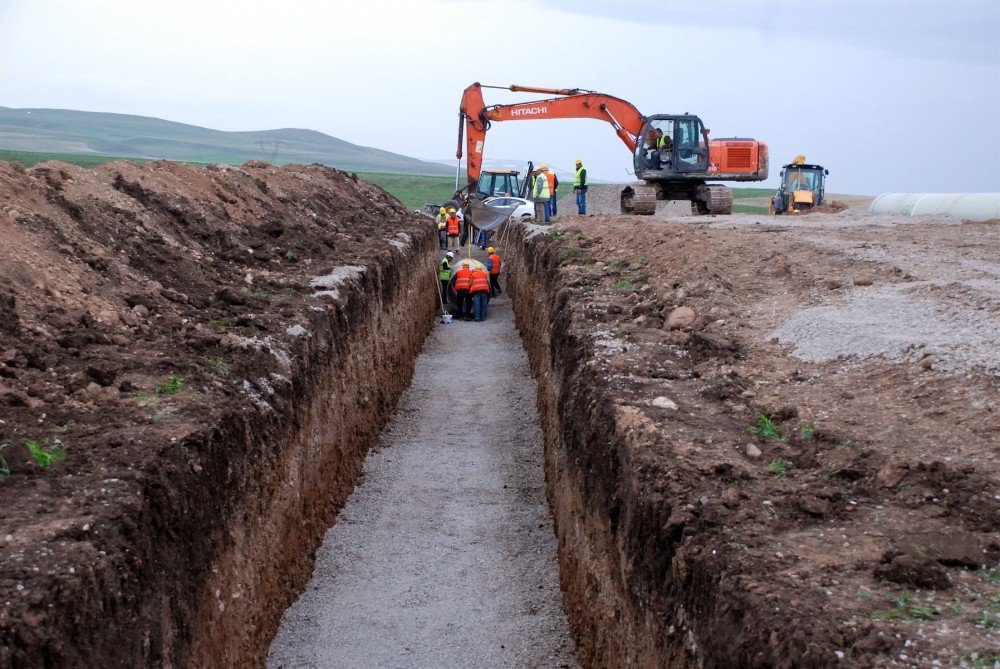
[672, 153]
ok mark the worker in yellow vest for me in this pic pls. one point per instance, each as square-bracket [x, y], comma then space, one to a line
[541, 191]
[580, 187]
[442, 218]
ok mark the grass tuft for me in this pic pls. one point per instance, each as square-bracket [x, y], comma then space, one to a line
[765, 427]
[45, 454]
[170, 387]
[779, 467]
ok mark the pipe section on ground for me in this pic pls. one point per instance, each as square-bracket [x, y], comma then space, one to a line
[968, 206]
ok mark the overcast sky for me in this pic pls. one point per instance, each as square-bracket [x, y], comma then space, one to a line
[890, 95]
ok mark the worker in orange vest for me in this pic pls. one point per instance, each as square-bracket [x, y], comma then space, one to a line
[463, 283]
[480, 293]
[493, 263]
[454, 225]
[553, 185]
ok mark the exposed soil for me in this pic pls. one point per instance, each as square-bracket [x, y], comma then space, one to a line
[445, 555]
[205, 346]
[864, 530]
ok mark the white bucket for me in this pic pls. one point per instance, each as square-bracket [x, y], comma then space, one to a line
[446, 319]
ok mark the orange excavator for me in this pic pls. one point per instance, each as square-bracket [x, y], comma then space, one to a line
[672, 153]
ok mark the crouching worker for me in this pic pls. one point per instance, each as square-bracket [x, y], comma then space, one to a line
[444, 276]
[463, 282]
[493, 263]
[480, 293]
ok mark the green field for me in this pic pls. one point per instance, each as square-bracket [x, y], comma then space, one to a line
[67, 131]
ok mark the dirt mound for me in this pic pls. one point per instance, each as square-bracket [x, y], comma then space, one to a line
[153, 318]
[722, 502]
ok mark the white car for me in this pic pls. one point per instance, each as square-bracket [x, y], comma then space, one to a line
[525, 208]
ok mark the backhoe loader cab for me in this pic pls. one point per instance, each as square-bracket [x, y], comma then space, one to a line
[497, 183]
[802, 188]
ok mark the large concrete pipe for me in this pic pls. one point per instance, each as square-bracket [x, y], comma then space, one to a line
[967, 206]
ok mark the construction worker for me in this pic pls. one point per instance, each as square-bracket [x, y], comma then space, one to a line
[541, 191]
[442, 226]
[493, 263]
[553, 185]
[454, 228]
[580, 187]
[444, 276]
[480, 290]
[463, 283]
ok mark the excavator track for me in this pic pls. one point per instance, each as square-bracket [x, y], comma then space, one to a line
[714, 199]
[639, 200]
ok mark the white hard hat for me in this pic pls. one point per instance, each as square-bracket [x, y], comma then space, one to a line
[449, 254]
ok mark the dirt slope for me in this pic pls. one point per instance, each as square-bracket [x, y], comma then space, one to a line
[164, 327]
[858, 526]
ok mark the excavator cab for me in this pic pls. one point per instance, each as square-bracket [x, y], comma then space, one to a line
[670, 144]
[497, 183]
[802, 188]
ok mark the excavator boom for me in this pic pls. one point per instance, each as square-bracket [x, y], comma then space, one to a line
[477, 117]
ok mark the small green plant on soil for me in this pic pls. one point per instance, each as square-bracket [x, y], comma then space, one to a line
[223, 321]
[45, 454]
[765, 427]
[170, 387]
[554, 234]
[641, 261]
[296, 243]
[830, 473]
[214, 366]
[779, 467]
[990, 575]
[4, 467]
[807, 430]
[257, 292]
[61, 428]
[616, 263]
[982, 661]
[623, 285]
[291, 257]
[906, 610]
[569, 253]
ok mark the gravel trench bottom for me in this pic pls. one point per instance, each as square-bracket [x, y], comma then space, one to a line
[444, 555]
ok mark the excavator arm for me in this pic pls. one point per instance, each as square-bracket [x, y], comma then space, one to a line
[475, 117]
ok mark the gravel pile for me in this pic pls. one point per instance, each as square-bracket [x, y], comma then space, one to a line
[899, 324]
[606, 200]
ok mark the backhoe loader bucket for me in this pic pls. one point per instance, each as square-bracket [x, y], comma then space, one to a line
[488, 218]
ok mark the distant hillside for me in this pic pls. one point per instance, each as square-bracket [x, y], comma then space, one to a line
[68, 131]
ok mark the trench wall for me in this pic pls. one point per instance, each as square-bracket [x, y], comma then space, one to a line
[634, 596]
[217, 554]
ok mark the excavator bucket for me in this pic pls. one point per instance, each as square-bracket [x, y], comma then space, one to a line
[488, 218]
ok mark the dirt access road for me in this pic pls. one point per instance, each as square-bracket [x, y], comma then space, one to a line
[445, 554]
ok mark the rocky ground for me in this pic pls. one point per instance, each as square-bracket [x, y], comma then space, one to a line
[818, 398]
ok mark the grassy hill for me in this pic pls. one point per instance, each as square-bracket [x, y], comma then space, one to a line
[63, 131]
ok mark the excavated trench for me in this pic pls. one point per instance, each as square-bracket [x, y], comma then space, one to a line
[218, 531]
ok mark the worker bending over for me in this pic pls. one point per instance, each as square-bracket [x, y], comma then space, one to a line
[444, 275]
[454, 225]
[480, 293]
[463, 284]
[493, 263]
